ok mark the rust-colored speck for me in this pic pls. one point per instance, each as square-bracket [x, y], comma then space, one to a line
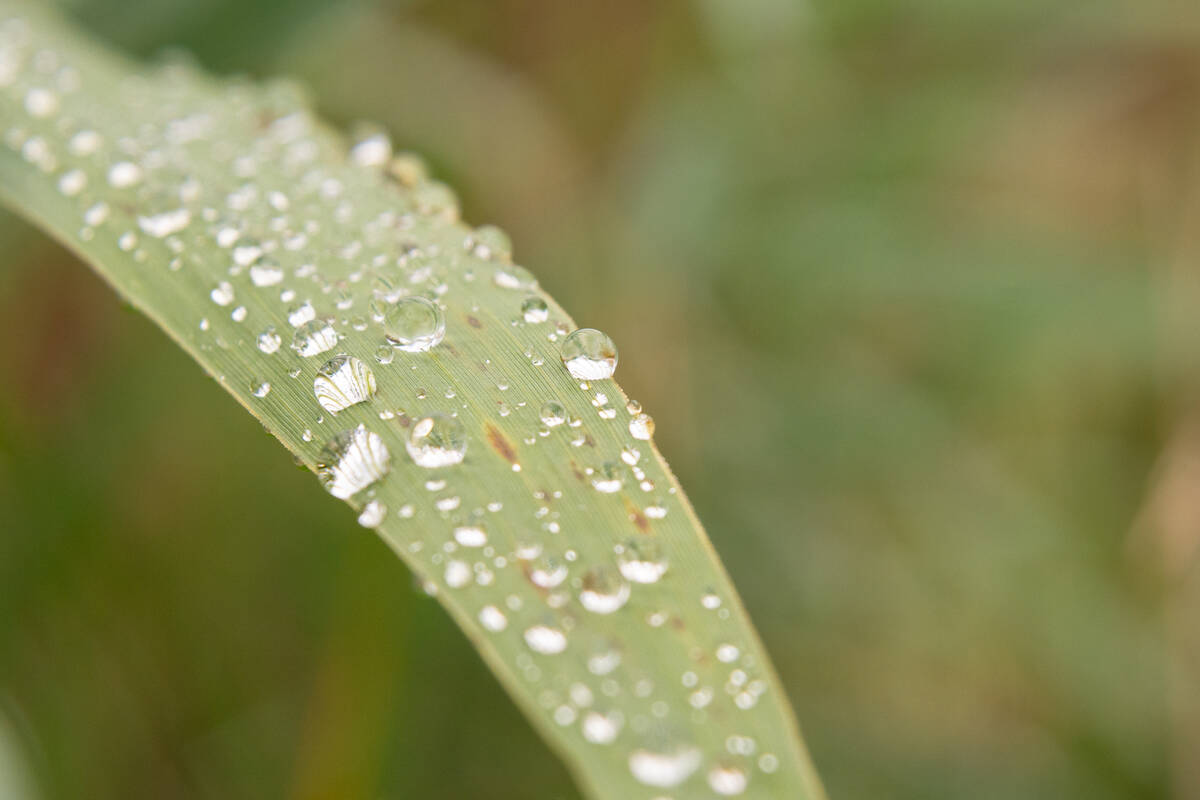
[473, 321]
[639, 519]
[500, 444]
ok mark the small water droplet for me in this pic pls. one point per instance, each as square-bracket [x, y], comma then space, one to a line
[438, 440]
[641, 426]
[414, 324]
[666, 769]
[607, 479]
[470, 535]
[492, 619]
[269, 341]
[265, 272]
[548, 572]
[343, 381]
[124, 174]
[589, 355]
[314, 337]
[166, 223]
[372, 514]
[222, 295]
[260, 388]
[352, 461]
[545, 639]
[457, 574]
[535, 310]
[603, 591]
[727, 780]
[553, 414]
[641, 561]
[601, 728]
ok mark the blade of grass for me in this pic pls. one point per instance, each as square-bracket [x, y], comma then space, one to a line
[243, 228]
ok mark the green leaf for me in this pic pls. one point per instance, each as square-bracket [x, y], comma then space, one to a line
[282, 260]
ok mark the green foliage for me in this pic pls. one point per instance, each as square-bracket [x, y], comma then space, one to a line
[238, 223]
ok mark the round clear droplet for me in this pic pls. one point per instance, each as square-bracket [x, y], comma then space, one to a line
[438, 440]
[589, 355]
[414, 324]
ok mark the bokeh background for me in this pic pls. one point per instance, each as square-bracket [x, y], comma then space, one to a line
[911, 288]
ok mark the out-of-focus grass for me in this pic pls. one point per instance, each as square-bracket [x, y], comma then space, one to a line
[922, 273]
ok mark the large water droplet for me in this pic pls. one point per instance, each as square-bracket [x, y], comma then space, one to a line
[438, 440]
[265, 272]
[603, 591]
[664, 770]
[372, 514]
[589, 355]
[607, 479]
[343, 381]
[414, 324]
[641, 426]
[352, 461]
[314, 337]
[493, 619]
[470, 535]
[641, 561]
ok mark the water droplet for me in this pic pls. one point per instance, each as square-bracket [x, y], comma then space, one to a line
[553, 414]
[458, 574]
[352, 461]
[223, 294]
[124, 174]
[163, 225]
[269, 340]
[727, 653]
[601, 728]
[260, 388]
[470, 536]
[727, 780]
[641, 561]
[589, 355]
[513, 277]
[545, 639]
[265, 272]
[641, 426]
[414, 324]
[603, 591]
[301, 314]
[664, 770]
[314, 337]
[438, 440]
[710, 600]
[535, 310]
[343, 381]
[492, 619]
[372, 514]
[548, 572]
[607, 479]
[372, 149]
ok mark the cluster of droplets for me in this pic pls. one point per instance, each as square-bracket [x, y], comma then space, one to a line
[386, 291]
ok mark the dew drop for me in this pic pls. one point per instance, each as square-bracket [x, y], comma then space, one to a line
[265, 272]
[511, 276]
[166, 223]
[492, 619]
[222, 295]
[607, 479]
[269, 340]
[641, 426]
[352, 461]
[548, 572]
[260, 388]
[603, 591]
[545, 639]
[458, 574]
[535, 310]
[553, 414]
[343, 381]
[641, 561]
[727, 780]
[124, 174]
[438, 440]
[314, 337]
[664, 770]
[470, 536]
[372, 514]
[414, 324]
[601, 728]
[589, 355]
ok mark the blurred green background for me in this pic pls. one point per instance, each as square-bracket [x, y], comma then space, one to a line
[911, 288]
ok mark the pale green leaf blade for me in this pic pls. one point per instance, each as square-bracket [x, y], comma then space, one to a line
[239, 224]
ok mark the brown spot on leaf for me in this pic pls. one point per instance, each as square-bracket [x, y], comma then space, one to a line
[639, 519]
[499, 442]
[473, 321]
